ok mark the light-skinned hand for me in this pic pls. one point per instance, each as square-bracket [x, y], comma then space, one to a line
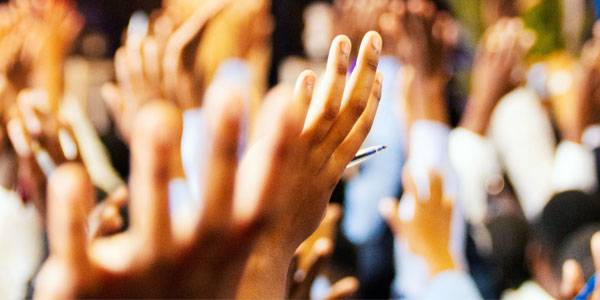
[428, 232]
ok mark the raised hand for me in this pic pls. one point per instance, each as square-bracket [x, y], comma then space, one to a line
[156, 257]
[41, 140]
[326, 230]
[428, 231]
[324, 141]
[574, 119]
[157, 62]
[300, 281]
[426, 37]
[41, 33]
[356, 17]
[312, 256]
[204, 256]
[497, 70]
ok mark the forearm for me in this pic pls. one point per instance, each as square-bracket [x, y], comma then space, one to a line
[477, 114]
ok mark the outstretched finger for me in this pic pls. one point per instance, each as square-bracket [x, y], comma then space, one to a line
[303, 92]
[325, 109]
[155, 140]
[70, 201]
[186, 38]
[355, 139]
[357, 95]
[344, 289]
[227, 107]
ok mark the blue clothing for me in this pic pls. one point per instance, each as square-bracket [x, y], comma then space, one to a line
[379, 177]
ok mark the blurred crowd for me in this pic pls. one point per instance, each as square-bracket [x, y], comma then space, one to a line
[207, 149]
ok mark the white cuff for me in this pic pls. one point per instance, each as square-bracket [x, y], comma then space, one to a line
[591, 136]
[475, 162]
[574, 168]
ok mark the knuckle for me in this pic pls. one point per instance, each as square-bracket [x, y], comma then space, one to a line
[364, 130]
[358, 108]
[330, 113]
[282, 150]
[341, 68]
[372, 64]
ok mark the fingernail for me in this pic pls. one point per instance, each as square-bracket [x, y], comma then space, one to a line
[345, 47]
[310, 83]
[376, 42]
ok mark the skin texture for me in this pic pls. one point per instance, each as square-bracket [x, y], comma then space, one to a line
[331, 129]
[496, 71]
[428, 233]
[294, 161]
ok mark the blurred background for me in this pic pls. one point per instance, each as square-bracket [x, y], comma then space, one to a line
[526, 193]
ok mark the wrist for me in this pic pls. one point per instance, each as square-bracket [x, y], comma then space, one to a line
[427, 96]
[266, 273]
[478, 114]
[440, 262]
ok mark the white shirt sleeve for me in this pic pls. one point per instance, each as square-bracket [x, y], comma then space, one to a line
[452, 285]
[574, 168]
[524, 139]
[591, 136]
[475, 162]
